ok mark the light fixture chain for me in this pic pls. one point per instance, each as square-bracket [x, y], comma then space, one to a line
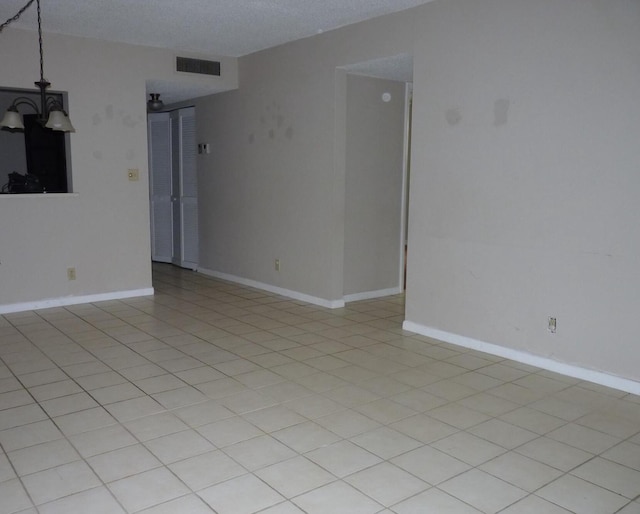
[40, 43]
[51, 114]
[19, 13]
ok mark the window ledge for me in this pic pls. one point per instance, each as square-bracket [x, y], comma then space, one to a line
[39, 195]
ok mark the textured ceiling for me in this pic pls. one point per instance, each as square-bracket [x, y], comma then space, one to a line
[224, 27]
[230, 28]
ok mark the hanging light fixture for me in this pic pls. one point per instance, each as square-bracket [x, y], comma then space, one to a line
[155, 104]
[50, 113]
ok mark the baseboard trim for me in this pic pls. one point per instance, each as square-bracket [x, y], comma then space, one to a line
[294, 295]
[597, 377]
[74, 300]
[368, 295]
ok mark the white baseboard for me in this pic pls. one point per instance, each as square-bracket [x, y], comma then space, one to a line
[74, 300]
[368, 295]
[597, 377]
[295, 295]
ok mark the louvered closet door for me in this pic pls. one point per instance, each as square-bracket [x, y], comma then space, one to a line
[188, 178]
[159, 125]
[174, 187]
[176, 193]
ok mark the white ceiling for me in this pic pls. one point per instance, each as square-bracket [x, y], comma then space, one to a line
[221, 27]
[212, 27]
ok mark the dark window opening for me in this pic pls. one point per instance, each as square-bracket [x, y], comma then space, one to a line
[36, 159]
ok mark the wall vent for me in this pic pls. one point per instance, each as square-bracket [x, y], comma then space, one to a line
[188, 65]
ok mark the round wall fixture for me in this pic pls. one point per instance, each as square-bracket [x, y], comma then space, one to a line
[386, 97]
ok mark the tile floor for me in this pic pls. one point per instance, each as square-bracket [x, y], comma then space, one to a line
[212, 397]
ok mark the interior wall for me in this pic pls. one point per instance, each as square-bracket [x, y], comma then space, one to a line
[524, 171]
[525, 178]
[374, 179]
[102, 229]
[273, 186]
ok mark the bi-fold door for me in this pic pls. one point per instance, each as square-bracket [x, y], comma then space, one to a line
[173, 187]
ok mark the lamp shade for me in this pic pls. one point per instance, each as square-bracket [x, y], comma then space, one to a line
[59, 121]
[12, 119]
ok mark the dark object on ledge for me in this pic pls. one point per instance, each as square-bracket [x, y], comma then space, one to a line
[22, 184]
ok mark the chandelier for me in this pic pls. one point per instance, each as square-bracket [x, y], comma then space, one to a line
[50, 113]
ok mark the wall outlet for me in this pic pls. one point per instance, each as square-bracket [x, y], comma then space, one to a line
[277, 264]
[553, 325]
[133, 174]
[71, 273]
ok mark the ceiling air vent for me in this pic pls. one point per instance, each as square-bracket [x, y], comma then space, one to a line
[200, 66]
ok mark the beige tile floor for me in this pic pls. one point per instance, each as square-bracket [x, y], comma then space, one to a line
[212, 397]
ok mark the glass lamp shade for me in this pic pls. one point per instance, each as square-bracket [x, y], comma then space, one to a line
[58, 120]
[12, 119]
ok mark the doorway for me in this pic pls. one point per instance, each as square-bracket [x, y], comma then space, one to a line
[377, 133]
[173, 187]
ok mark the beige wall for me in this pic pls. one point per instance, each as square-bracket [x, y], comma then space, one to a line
[103, 228]
[525, 177]
[524, 172]
[273, 186]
